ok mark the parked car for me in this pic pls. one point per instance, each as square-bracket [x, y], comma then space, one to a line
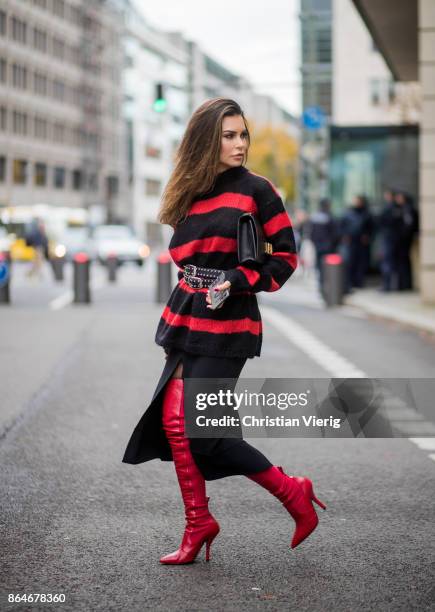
[119, 241]
[73, 240]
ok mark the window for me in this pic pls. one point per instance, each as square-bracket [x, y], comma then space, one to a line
[40, 40]
[20, 171]
[40, 176]
[19, 76]
[40, 83]
[112, 186]
[2, 23]
[93, 182]
[77, 136]
[75, 15]
[19, 123]
[19, 30]
[40, 128]
[58, 132]
[2, 168]
[3, 70]
[77, 179]
[391, 91]
[58, 48]
[375, 92]
[59, 177]
[75, 55]
[59, 90]
[324, 96]
[3, 118]
[59, 8]
[152, 187]
[323, 43]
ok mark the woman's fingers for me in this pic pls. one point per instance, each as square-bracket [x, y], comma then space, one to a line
[225, 285]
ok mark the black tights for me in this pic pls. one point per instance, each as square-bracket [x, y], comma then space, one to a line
[217, 458]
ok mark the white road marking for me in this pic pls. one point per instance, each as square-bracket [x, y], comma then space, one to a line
[64, 299]
[331, 361]
[338, 366]
[61, 301]
[424, 443]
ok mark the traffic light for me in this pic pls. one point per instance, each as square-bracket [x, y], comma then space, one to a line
[160, 103]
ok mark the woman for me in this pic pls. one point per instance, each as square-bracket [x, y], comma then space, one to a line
[207, 192]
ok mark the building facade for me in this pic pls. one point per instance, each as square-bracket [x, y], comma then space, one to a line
[409, 51]
[155, 64]
[364, 91]
[61, 132]
[316, 70]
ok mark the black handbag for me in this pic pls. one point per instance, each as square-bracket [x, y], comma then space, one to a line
[252, 248]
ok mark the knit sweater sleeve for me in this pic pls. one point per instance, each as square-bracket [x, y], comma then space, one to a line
[280, 265]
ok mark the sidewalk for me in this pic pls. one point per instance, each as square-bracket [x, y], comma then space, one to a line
[403, 307]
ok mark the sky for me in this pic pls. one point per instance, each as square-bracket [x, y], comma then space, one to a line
[258, 39]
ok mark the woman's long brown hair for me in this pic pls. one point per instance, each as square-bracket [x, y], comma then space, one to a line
[197, 158]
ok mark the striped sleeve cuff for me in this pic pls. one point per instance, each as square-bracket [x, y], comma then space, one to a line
[239, 281]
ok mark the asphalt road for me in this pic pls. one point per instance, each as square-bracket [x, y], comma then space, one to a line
[75, 520]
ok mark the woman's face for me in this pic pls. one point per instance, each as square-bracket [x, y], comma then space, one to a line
[234, 143]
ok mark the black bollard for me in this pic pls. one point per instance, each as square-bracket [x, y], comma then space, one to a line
[5, 277]
[82, 293]
[57, 263]
[164, 277]
[112, 267]
[333, 279]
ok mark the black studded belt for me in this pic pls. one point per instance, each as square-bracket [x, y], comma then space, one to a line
[198, 278]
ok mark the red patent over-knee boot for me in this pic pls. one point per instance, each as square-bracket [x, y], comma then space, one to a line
[201, 527]
[296, 494]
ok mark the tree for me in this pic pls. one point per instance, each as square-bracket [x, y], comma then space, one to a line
[274, 153]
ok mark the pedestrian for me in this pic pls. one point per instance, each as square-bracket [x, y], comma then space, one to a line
[323, 233]
[398, 224]
[300, 225]
[36, 237]
[208, 190]
[408, 227]
[356, 230]
[388, 223]
[304, 247]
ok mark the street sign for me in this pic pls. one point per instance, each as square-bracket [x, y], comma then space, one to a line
[4, 273]
[313, 118]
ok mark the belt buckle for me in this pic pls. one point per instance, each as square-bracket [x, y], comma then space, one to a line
[191, 276]
[190, 269]
[196, 278]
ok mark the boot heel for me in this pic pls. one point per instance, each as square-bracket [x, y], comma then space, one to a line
[307, 486]
[318, 502]
[207, 548]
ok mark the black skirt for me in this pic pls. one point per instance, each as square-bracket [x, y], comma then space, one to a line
[215, 457]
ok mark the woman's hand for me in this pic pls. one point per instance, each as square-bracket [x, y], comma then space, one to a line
[225, 285]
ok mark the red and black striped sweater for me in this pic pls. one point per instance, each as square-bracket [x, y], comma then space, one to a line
[208, 238]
